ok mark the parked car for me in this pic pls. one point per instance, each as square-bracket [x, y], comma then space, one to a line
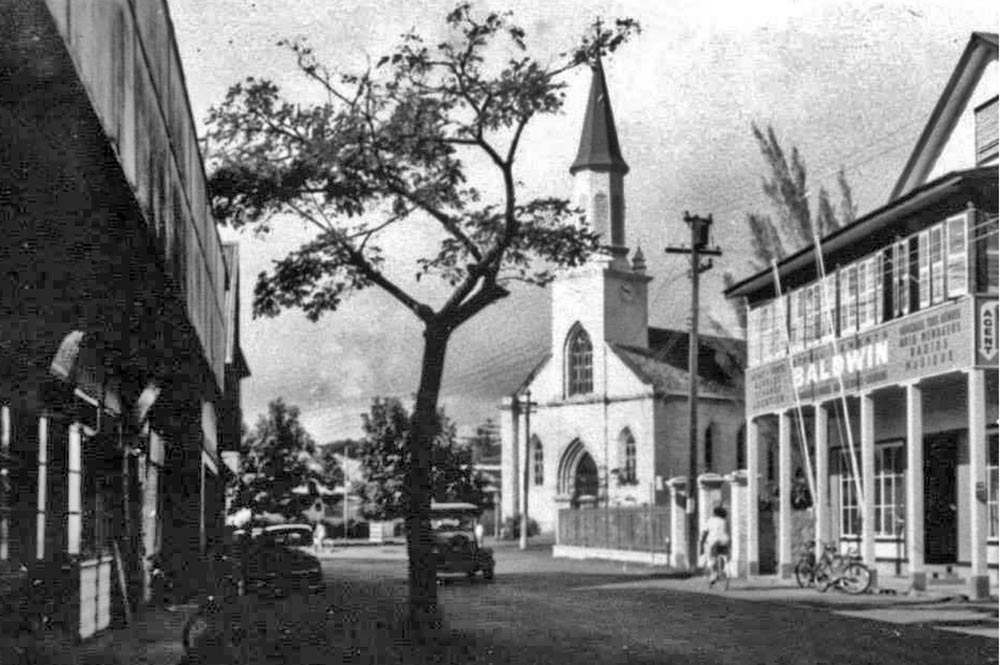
[457, 546]
[278, 560]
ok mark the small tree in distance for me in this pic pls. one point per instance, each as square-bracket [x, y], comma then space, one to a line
[278, 457]
[385, 455]
[392, 145]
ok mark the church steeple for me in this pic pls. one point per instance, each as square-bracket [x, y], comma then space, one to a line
[599, 171]
[599, 149]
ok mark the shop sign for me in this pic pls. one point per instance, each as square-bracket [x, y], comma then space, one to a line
[986, 332]
[924, 344]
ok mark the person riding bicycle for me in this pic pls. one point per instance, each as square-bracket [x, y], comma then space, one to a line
[715, 540]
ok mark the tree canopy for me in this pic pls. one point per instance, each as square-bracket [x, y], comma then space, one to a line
[277, 457]
[393, 144]
[385, 455]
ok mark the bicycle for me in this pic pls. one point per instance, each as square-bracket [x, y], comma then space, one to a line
[805, 567]
[718, 567]
[844, 572]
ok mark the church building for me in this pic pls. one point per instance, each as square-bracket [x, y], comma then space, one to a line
[603, 419]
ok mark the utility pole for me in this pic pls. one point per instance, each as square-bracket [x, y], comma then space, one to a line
[700, 227]
[525, 477]
[347, 484]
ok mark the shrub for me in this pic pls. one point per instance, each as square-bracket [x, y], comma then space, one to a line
[512, 528]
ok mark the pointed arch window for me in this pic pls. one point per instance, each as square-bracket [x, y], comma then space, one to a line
[538, 460]
[579, 362]
[629, 472]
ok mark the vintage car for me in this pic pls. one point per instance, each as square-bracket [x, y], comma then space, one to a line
[457, 546]
[278, 560]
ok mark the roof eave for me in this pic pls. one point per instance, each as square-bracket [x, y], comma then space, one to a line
[944, 112]
[888, 213]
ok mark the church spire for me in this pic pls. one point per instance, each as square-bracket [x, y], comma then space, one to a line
[599, 149]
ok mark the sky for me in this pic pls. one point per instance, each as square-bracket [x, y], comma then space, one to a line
[851, 84]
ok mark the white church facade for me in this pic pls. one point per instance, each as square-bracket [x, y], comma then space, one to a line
[609, 402]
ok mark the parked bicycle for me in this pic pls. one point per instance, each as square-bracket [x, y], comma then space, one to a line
[805, 567]
[844, 572]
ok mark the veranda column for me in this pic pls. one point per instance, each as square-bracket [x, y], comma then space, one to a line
[979, 577]
[822, 499]
[75, 488]
[737, 522]
[868, 482]
[915, 487]
[752, 494]
[43, 483]
[4, 494]
[678, 522]
[785, 563]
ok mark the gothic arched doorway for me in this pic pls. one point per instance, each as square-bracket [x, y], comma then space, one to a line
[585, 482]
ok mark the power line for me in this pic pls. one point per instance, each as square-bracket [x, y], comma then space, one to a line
[735, 202]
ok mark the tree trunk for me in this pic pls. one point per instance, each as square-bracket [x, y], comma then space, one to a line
[423, 574]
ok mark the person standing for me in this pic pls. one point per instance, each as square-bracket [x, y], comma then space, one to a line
[319, 535]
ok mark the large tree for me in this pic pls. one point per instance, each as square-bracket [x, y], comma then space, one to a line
[396, 144]
[385, 454]
[278, 460]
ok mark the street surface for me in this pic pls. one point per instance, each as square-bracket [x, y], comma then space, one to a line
[540, 610]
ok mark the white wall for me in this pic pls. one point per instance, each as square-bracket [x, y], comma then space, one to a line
[959, 152]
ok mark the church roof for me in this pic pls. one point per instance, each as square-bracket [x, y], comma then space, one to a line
[666, 378]
[664, 363]
[599, 148]
[719, 358]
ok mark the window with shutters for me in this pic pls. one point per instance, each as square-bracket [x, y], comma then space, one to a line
[958, 257]
[888, 283]
[848, 300]
[984, 238]
[876, 279]
[937, 263]
[986, 132]
[807, 316]
[795, 321]
[828, 306]
[864, 295]
[924, 274]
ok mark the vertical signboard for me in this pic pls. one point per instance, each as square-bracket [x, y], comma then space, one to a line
[987, 350]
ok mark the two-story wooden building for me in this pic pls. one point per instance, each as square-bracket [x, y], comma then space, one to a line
[887, 349]
[115, 397]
